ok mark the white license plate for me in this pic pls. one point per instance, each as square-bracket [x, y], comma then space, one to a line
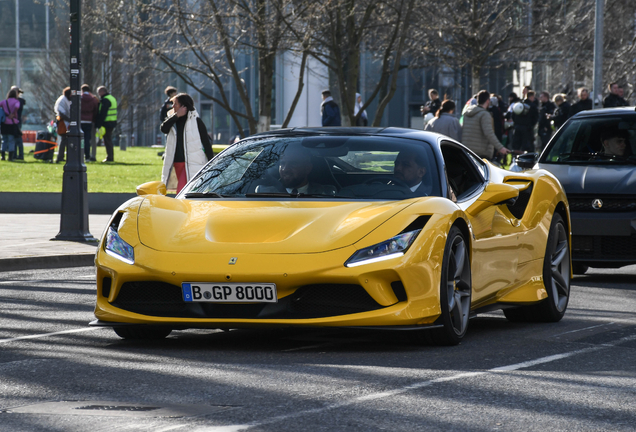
[229, 292]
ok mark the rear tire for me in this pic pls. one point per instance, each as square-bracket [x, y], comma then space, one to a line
[556, 278]
[455, 294]
[142, 332]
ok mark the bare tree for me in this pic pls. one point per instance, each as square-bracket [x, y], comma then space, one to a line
[570, 45]
[469, 33]
[344, 30]
[201, 41]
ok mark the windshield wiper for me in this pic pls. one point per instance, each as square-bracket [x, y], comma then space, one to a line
[203, 195]
[584, 154]
[291, 195]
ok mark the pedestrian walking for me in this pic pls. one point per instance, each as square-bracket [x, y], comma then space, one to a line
[613, 99]
[497, 117]
[63, 118]
[329, 110]
[621, 94]
[10, 127]
[478, 133]
[584, 103]
[188, 146]
[445, 122]
[432, 105]
[525, 116]
[561, 113]
[363, 120]
[545, 126]
[167, 104]
[90, 103]
[107, 118]
[19, 143]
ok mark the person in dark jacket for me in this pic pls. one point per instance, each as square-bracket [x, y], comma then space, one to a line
[584, 103]
[497, 116]
[545, 127]
[613, 99]
[524, 121]
[167, 104]
[89, 113]
[562, 111]
[329, 110]
[433, 105]
[107, 117]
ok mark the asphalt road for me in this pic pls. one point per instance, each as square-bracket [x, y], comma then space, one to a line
[56, 374]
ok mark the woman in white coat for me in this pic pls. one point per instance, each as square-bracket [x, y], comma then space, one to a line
[188, 146]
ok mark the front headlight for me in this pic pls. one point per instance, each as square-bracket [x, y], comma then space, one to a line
[392, 248]
[116, 247]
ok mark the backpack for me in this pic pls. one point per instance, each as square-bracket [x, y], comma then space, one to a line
[3, 116]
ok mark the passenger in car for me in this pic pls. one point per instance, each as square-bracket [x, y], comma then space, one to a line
[614, 142]
[410, 168]
[294, 169]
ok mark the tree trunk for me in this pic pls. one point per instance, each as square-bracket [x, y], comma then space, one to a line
[396, 65]
[301, 85]
[476, 78]
[266, 78]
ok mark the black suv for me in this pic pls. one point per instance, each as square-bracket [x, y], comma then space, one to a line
[594, 157]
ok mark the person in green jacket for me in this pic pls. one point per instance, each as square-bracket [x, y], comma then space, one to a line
[107, 118]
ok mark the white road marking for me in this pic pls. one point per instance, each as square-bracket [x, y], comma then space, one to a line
[24, 281]
[586, 328]
[36, 336]
[418, 385]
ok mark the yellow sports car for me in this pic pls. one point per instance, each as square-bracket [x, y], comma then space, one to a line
[344, 227]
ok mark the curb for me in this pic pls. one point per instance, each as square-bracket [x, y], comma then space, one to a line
[51, 202]
[47, 262]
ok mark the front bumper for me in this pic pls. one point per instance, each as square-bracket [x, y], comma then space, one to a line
[604, 238]
[399, 292]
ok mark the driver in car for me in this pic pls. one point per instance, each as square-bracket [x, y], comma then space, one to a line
[410, 168]
[294, 168]
[614, 142]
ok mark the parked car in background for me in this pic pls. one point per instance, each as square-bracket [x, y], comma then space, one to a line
[594, 157]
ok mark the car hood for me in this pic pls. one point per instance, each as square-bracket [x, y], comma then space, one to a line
[258, 226]
[590, 179]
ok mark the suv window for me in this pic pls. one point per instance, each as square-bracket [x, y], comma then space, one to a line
[581, 141]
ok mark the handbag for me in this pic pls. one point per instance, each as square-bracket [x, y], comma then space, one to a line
[61, 126]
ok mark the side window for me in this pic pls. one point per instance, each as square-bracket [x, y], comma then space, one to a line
[463, 176]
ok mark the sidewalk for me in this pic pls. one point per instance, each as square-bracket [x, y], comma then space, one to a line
[25, 242]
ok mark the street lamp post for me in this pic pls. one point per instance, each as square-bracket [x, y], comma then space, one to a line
[597, 90]
[74, 214]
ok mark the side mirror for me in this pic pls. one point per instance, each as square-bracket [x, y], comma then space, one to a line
[499, 193]
[152, 188]
[494, 194]
[527, 160]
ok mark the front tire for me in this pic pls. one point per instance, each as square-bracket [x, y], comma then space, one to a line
[556, 278]
[579, 269]
[455, 293]
[142, 332]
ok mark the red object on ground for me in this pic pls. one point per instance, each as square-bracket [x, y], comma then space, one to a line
[29, 136]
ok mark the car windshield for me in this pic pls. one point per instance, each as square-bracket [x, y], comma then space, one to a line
[601, 140]
[320, 166]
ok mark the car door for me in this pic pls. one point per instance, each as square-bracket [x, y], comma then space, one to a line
[495, 244]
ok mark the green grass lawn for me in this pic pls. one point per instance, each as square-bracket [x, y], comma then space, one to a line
[131, 168]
